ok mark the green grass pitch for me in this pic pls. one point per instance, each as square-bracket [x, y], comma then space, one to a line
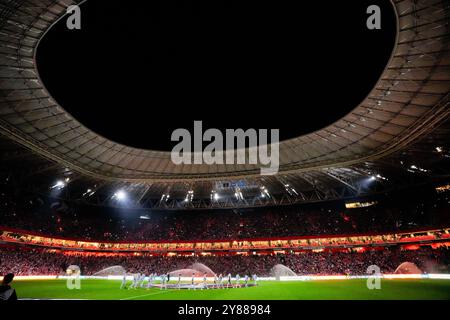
[307, 290]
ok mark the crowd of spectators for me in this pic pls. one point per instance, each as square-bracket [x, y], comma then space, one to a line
[47, 262]
[391, 214]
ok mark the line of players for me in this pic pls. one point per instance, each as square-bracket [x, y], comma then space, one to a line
[220, 282]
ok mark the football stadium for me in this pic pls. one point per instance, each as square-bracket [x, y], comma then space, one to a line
[353, 202]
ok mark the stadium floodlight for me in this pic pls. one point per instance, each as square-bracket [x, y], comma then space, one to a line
[415, 168]
[379, 176]
[264, 192]
[439, 149]
[60, 184]
[238, 194]
[120, 195]
[189, 196]
[214, 195]
[89, 192]
[290, 190]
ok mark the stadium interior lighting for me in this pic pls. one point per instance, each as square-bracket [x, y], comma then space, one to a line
[120, 195]
[89, 193]
[290, 190]
[413, 168]
[439, 149]
[379, 176]
[238, 194]
[264, 192]
[214, 195]
[189, 196]
[165, 197]
[60, 184]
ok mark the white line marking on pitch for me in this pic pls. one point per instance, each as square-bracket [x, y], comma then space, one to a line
[145, 295]
[39, 299]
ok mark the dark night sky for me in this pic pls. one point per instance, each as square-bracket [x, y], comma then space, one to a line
[140, 69]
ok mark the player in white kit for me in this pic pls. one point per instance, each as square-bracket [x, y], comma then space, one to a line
[216, 281]
[134, 283]
[255, 279]
[204, 284]
[163, 282]
[246, 280]
[192, 282]
[238, 278]
[141, 284]
[150, 281]
[124, 281]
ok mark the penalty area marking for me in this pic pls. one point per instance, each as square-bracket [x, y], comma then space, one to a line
[144, 295]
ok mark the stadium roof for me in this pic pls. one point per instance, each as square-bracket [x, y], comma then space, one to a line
[407, 104]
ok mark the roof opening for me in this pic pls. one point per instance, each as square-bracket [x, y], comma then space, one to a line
[137, 67]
